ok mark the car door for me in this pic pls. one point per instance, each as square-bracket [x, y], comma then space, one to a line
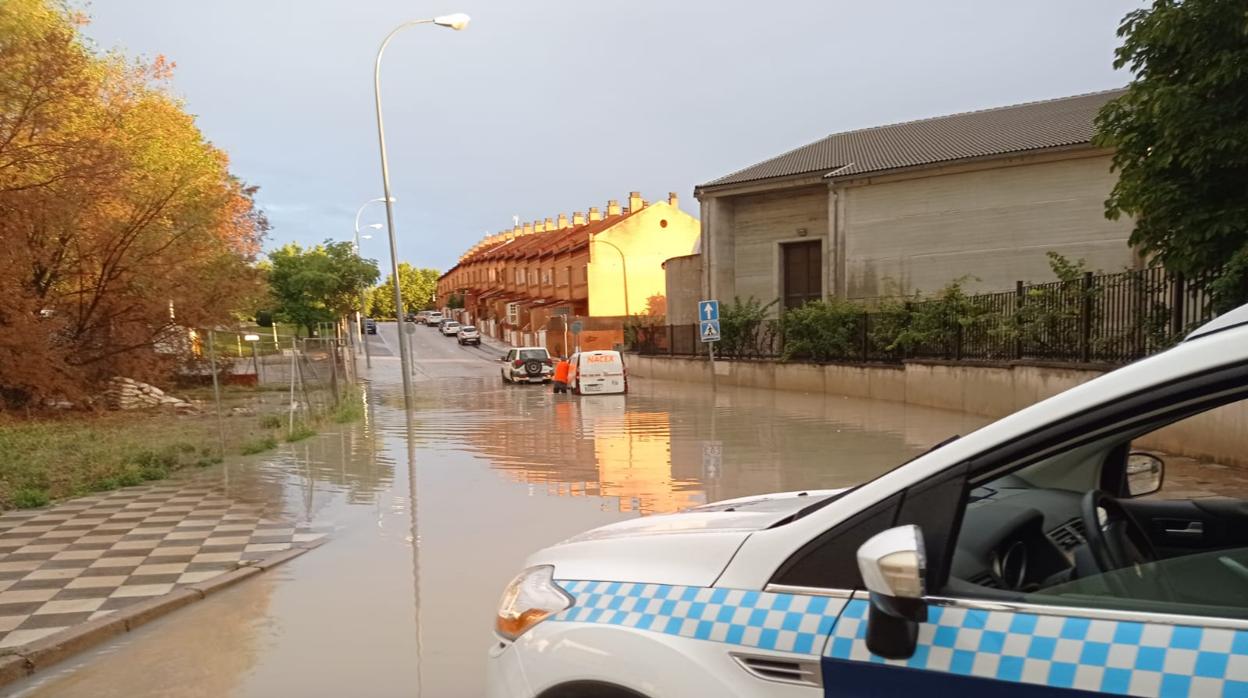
[1171, 625]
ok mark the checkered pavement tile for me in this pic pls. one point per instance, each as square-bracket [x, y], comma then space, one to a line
[782, 622]
[92, 556]
[1115, 657]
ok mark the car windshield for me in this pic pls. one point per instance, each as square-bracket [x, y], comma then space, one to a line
[527, 354]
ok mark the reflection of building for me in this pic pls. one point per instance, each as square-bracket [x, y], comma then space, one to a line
[522, 284]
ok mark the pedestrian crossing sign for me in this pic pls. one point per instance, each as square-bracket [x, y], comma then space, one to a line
[709, 330]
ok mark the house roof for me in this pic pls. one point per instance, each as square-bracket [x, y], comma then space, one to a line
[1000, 131]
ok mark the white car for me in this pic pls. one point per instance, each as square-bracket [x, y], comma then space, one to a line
[449, 328]
[527, 365]
[1020, 560]
[597, 372]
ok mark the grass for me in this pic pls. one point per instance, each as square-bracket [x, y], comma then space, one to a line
[300, 432]
[69, 455]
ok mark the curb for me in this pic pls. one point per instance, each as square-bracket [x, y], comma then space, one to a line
[20, 662]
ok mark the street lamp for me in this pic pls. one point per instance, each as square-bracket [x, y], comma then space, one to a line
[457, 22]
[359, 320]
[623, 268]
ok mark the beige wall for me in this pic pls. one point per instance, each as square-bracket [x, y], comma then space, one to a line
[990, 391]
[646, 242]
[760, 223]
[684, 289]
[918, 234]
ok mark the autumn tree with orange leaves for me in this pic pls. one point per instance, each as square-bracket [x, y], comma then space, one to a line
[120, 225]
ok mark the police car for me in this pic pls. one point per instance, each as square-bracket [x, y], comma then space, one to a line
[1023, 560]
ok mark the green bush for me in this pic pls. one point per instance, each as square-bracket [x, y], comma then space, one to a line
[267, 443]
[271, 421]
[300, 432]
[823, 330]
[740, 324]
[30, 498]
[348, 411]
[130, 477]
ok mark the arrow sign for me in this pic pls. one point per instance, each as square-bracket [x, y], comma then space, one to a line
[708, 310]
[708, 330]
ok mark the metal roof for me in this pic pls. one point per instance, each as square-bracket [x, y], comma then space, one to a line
[1003, 130]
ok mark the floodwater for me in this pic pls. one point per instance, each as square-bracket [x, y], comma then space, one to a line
[432, 512]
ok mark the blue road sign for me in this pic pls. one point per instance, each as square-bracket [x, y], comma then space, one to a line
[709, 330]
[708, 310]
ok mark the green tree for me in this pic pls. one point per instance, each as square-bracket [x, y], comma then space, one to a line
[319, 284]
[1181, 146]
[418, 287]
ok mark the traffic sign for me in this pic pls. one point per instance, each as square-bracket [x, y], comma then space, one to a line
[708, 330]
[577, 326]
[708, 310]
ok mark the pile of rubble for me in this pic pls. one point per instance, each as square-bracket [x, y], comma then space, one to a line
[129, 394]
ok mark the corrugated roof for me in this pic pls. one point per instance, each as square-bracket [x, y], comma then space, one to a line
[1003, 130]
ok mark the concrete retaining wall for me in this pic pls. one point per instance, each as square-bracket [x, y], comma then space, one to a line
[1220, 435]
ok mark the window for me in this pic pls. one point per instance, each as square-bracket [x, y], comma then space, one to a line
[801, 272]
[1086, 527]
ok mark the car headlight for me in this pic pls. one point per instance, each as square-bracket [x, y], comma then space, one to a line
[529, 599]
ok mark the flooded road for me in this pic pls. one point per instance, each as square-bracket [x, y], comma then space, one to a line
[430, 514]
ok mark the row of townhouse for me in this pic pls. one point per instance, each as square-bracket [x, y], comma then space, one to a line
[532, 285]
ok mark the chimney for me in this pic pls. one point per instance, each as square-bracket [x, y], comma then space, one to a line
[673, 200]
[550, 224]
[563, 221]
[594, 215]
[578, 218]
[635, 203]
[528, 229]
[539, 226]
[517, 231]
[613, 208]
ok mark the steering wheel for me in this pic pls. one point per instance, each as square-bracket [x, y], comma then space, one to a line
[1114, 537]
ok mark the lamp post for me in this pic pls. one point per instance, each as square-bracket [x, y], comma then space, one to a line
[359, 321]
[456, 22]
[623, 268]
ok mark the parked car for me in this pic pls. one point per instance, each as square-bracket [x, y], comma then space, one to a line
[410, 317]
[422, 318]
[1026, 558]
[597, 373]
[370, 325]
[527, 365]
[469, 335]
[449, 328]
[434, 318]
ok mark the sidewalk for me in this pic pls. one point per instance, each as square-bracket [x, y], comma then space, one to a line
[77, 573]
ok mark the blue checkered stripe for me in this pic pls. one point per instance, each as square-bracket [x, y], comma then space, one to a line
[782, 622]
[1118, 657]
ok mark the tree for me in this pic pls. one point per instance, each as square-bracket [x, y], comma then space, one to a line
[417, 285]
[319, 284]
[120, 225]
[1181, 146]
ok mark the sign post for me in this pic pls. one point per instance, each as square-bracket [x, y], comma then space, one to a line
[708, 329]
[577, 326]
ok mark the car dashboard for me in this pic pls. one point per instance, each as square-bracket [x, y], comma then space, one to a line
[1014, 541]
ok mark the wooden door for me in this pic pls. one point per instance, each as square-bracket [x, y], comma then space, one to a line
[802, 272]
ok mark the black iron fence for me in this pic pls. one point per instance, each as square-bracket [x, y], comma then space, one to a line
[1093, 319]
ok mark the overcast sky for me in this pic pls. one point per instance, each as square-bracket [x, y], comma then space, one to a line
[549, 106]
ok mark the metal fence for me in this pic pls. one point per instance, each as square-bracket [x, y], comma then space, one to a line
[1095, 319]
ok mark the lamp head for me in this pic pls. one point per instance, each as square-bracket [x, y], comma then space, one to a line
[456, 21]
[375, 226]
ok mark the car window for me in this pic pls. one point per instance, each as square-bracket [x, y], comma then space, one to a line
[468, 328]
[527, 354]
[1068, 531]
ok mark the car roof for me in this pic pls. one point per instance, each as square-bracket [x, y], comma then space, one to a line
[1225, 321]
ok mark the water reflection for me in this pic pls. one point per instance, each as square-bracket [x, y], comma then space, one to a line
[669, 446]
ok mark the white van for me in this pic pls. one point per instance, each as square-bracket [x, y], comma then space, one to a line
[597, 373]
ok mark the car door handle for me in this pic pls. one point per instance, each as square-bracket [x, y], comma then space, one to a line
[1193, 530]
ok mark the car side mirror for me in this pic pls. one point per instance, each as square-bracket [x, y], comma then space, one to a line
[893, 564]
[1145, 473]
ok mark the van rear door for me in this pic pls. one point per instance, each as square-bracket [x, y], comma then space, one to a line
[600, 372]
